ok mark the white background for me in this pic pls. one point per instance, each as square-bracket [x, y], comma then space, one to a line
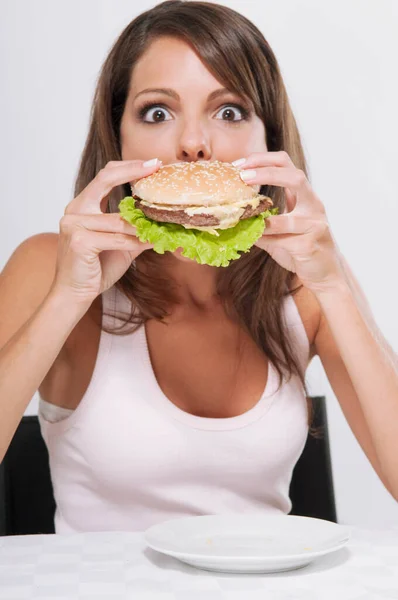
[339, 62]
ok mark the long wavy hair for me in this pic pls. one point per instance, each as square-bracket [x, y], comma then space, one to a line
[236, 53]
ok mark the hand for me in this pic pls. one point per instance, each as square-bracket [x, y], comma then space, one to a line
[96, 249]
[300, 239]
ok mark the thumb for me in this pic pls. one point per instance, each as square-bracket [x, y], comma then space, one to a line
[290, 201]
[278, 224]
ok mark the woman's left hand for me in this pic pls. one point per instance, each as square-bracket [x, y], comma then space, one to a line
[300, 239]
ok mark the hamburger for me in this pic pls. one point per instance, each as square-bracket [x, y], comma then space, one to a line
[202, 207]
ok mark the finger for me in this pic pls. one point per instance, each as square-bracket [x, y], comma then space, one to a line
[279, 239]
[94, 242]
[120, 261]
[292, 178]
[110, 223]
[287, 224]
[91, 199]
[267, 159]
[290, 201]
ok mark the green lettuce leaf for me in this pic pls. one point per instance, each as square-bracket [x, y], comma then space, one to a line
[201, 246]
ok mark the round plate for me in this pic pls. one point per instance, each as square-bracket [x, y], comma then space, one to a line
[247, 543]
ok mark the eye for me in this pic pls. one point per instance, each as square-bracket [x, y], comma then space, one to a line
[151, 113]
[230, 110]
[156, 113]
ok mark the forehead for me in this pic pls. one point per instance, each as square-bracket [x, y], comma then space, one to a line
[170, 62]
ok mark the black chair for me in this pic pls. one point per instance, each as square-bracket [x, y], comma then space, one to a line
[311, 488]
[26, 497]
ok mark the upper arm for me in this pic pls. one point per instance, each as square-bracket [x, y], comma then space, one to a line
[25, 282]
[322, 344]
[337, 374]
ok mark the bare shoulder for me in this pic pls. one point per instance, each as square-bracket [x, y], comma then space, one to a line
[26, 280]
[309, 310]
[39, 250]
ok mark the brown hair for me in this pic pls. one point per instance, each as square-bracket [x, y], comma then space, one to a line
[238, 56]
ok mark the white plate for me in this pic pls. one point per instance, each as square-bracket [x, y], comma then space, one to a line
[247, 543]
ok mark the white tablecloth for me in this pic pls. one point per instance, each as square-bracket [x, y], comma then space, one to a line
[116, 566]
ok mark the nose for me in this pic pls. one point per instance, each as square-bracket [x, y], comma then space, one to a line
[193, 144]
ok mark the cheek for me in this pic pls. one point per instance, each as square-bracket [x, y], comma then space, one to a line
[254, 138]
[231, 143]
[131, 148]
[139, 142]
[256, 141]
[133, 143]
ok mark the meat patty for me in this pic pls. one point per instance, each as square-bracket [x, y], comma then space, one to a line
[201, 220]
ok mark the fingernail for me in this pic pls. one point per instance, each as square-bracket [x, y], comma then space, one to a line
[239, 162]
[246, 175]
[151, 163]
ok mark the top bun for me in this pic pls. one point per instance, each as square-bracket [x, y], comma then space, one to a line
[200, 183]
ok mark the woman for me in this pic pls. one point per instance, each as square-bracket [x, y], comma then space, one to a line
[203, 408]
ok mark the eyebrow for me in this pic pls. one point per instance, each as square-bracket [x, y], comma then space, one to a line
[169, 92]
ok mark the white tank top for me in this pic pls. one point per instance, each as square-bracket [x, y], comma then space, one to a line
[127, 458]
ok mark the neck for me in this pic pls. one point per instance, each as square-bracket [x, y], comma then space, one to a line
[196, 285]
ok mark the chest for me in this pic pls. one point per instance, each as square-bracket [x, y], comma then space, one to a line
[209, 367]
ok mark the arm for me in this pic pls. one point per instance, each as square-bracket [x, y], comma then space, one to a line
[34, 327]
[360, 365]
[363, 372]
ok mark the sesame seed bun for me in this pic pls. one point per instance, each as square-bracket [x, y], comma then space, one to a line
[202, 195]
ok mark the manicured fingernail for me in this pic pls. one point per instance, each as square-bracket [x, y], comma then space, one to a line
[239, 163]
[246, 175]
[151, 163]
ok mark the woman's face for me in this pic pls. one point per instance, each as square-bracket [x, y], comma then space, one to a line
[190, 116]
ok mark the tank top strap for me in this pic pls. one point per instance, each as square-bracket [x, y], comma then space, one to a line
[296, 330]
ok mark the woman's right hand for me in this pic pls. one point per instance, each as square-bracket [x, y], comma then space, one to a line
[96, 248]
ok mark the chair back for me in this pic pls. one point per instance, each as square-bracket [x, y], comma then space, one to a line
[27, 503]
[311, 488]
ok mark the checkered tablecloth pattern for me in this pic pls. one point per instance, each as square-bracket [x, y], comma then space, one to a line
[117, 566]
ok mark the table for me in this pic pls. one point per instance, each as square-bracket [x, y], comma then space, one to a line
[118, 565]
